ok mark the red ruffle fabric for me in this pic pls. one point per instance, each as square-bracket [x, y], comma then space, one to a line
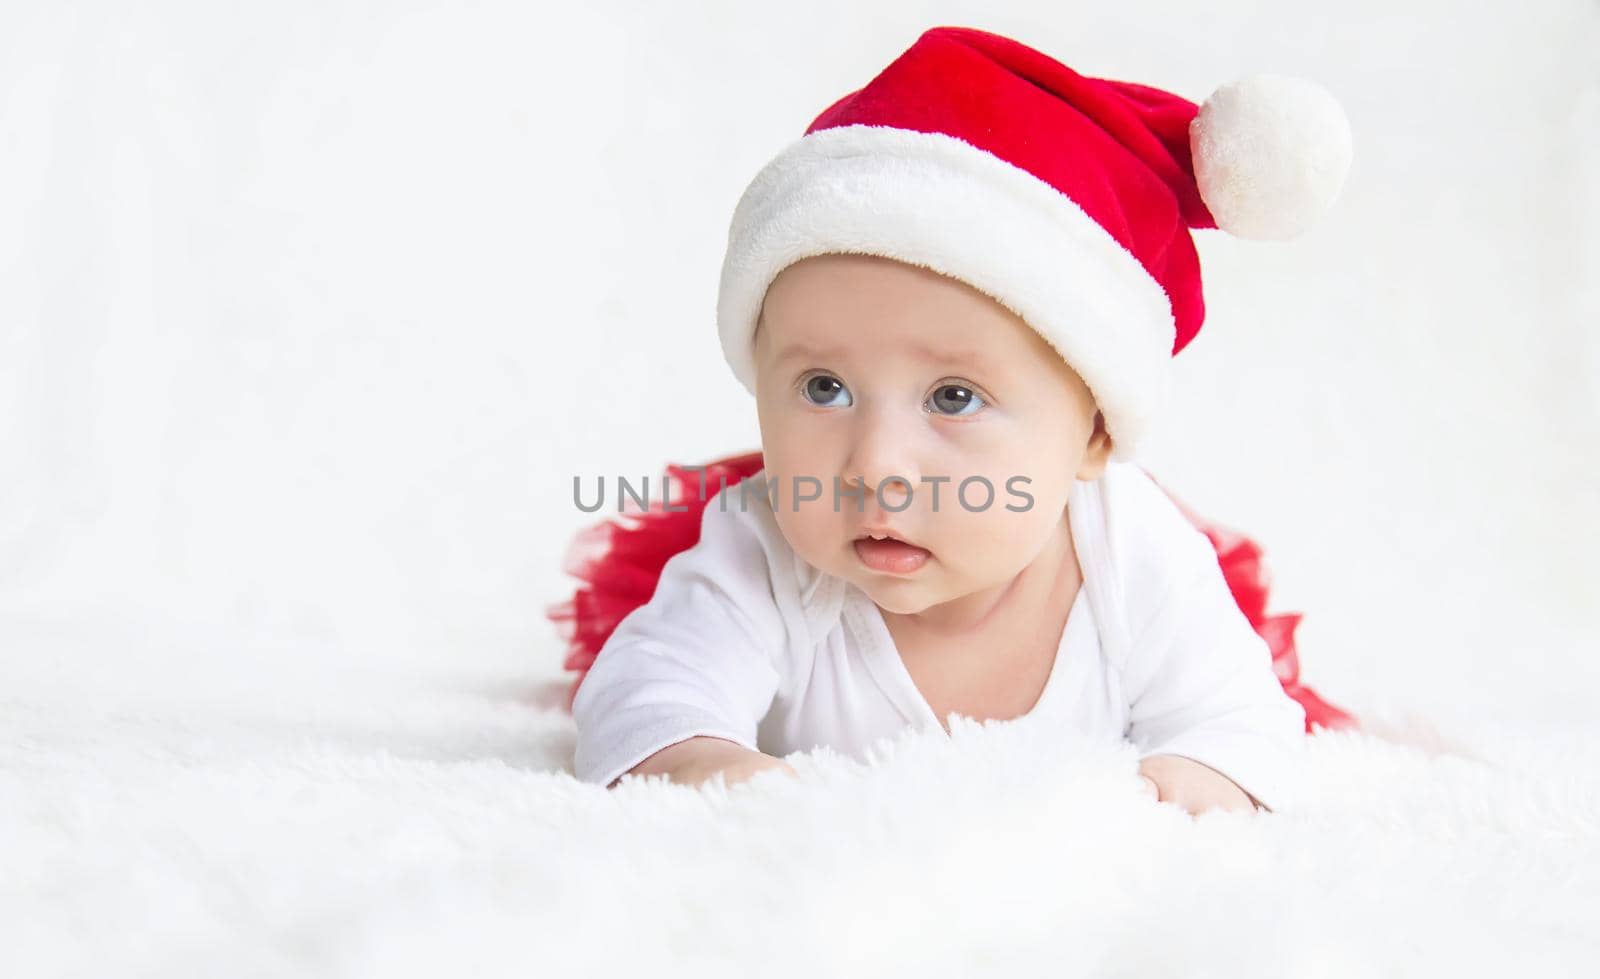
[619, 562]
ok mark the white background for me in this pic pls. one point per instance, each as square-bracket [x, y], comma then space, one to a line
[311, 311]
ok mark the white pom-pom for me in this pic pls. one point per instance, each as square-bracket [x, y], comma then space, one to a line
[1270, 155]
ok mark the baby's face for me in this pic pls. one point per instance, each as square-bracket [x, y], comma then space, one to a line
[868, 368]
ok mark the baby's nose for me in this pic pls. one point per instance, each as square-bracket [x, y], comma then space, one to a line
[881, 461]
[895, 489]
[891, 490]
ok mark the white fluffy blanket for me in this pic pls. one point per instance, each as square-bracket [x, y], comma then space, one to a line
[171, 812]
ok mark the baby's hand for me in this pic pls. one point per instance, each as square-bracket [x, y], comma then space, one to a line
[1195, 787]
[699, 758]
[748, 765]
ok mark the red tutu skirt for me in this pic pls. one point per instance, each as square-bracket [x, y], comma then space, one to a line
[619, 562]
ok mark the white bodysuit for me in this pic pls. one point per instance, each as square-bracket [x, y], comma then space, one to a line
[744, 640]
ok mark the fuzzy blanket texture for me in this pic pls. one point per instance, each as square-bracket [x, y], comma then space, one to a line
[174, 814]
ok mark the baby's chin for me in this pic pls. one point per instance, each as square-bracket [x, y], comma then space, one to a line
[901, 596]
[900, 602]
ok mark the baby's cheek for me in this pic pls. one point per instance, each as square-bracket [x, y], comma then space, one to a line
[1009, 539]
[813, 532]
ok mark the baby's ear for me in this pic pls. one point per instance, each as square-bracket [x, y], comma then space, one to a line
[1098, 452]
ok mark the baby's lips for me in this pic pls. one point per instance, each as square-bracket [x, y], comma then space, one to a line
[881, 531]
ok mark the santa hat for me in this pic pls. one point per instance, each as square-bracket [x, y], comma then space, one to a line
[1067, 199]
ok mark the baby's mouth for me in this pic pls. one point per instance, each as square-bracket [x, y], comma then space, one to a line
[890, 555]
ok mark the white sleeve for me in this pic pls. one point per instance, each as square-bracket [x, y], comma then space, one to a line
[1202, 684]
[699, 658]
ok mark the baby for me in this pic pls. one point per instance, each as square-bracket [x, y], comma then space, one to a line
[956, 300]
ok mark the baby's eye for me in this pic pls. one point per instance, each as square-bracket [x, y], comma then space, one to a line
[954, 399]
[825, 390]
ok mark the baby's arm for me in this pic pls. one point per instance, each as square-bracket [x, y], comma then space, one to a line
[1195, 787]
[699, 758]
[682, 683]
[1212, 719]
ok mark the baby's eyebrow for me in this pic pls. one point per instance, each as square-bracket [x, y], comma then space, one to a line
[973, 359]
[965, 359]
[801, 350]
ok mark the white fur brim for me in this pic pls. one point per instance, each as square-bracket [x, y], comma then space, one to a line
[941, 203]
